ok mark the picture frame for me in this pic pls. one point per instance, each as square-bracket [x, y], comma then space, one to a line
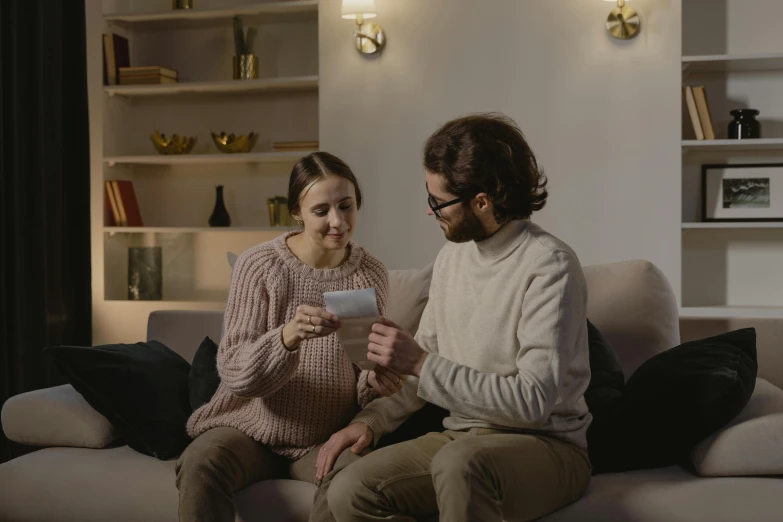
[742, 192]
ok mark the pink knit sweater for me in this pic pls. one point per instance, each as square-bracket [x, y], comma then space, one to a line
[290, 401]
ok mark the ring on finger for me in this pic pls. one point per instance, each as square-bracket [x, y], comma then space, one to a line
[313, 328]
[310, 320]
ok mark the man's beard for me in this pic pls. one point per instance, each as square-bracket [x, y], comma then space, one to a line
[467, 228]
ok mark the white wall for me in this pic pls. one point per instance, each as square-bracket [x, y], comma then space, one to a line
[602, 116]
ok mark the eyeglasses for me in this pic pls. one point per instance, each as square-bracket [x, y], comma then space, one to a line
[436, 208]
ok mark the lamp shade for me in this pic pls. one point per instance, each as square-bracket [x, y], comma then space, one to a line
[354, 8]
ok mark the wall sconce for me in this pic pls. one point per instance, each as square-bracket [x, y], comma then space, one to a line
[623, 22]
[369, 37]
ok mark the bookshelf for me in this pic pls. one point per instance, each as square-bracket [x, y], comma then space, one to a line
[730, 270]
[176, 193]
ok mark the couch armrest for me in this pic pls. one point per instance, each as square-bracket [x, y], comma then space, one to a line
[56, 416]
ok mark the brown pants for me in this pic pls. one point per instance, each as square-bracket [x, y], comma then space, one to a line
[465, 476]
[222, 461]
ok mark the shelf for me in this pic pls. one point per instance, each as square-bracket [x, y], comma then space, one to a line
[733, 224]
[731, 312]
[207, 159]
[271, 12]
[297, 83]
[191, 230]
[732, 63]
[733, 145]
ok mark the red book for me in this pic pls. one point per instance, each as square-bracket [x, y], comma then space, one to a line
[108, 214]
[128, 195]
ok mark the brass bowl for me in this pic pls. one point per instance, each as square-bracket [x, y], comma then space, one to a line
[175, 145]
[230, 143]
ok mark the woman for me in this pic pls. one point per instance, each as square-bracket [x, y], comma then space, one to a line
[286, 383]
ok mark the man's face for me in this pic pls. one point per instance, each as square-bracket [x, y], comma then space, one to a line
[459, 223]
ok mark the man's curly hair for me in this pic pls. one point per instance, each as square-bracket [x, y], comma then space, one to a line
[488, 153]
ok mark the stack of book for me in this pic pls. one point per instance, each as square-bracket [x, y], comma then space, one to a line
[120, 206]
[290, 146]
[699, 110]
[147, 75]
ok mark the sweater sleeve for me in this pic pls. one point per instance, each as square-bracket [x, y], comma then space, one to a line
[252, 360]
[379, 279]
[553, 312]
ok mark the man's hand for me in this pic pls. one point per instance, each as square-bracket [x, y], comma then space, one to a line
[358, 434]
[394, 348]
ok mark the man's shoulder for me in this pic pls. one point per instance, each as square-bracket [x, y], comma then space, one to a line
[542, 247]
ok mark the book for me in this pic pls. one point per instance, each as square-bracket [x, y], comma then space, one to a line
[703, 108]
[148, 70]
[116, 54]
[129, 213]
[147, 80]
[115, 189]
[111, 214]
[690, 101]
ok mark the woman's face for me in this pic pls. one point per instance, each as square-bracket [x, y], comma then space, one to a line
[328, 212]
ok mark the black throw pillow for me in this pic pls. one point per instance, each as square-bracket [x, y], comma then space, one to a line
[673, 401]
[607, 382]
[203, 380]
[142, 389]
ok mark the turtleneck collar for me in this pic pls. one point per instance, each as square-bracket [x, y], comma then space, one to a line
[504, 241]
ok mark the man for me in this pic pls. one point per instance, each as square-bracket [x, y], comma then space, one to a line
[502, 345]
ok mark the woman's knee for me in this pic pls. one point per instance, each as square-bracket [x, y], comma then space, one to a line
[211, 456]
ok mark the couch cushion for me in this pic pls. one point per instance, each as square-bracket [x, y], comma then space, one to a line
[56, 416]
[409, 292]
[121, 485]
[751, 444]
[633, 305]
[141, 388]
[183, 330]
[672, 494]
[675, 400]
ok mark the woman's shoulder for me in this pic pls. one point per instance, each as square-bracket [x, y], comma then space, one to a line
[262, 258]
[371, 263]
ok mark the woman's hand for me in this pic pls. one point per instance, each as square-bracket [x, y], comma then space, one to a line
[308, 323]
[384, 381]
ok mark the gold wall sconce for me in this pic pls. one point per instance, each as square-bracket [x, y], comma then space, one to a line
[369, 37]
[623, 22]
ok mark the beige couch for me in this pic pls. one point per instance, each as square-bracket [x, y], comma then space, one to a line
[631, 302]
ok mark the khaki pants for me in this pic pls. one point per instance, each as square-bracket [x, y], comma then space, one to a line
[478, 475]
[222, 461]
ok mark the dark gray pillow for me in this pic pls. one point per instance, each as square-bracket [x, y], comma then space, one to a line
[203, 379]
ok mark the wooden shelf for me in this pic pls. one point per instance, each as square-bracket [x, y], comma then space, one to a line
[207, 159]
[298, 83]
[733, 224]
[733, 145]
[191, 230]
[732, 63]
[269, 12]
[731, 312]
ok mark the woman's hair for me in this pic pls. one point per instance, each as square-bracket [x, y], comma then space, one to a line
[313, 167]
[488, 153]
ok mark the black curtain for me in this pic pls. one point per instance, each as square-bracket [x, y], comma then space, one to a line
[44, 191]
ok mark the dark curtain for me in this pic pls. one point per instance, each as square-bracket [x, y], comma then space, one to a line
[44, 191]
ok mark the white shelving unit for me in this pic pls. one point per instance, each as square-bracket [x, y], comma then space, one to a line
[176, 193]
[273, 85]
[207, 159]
[731, 270]
[271, 12]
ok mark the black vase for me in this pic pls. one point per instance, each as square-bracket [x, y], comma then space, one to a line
[745, 126]
[219, 217]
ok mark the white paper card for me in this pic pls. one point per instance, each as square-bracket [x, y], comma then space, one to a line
[357, 310]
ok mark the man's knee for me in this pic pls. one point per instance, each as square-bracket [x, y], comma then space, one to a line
[457, 460]
[343, 489]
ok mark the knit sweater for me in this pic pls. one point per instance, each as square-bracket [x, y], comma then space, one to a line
[506, 333]
[289, 400]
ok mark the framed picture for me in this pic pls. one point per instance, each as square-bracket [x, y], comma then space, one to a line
[742, 192]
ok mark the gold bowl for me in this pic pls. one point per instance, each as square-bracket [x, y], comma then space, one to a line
[230, 143]
[175, 145]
